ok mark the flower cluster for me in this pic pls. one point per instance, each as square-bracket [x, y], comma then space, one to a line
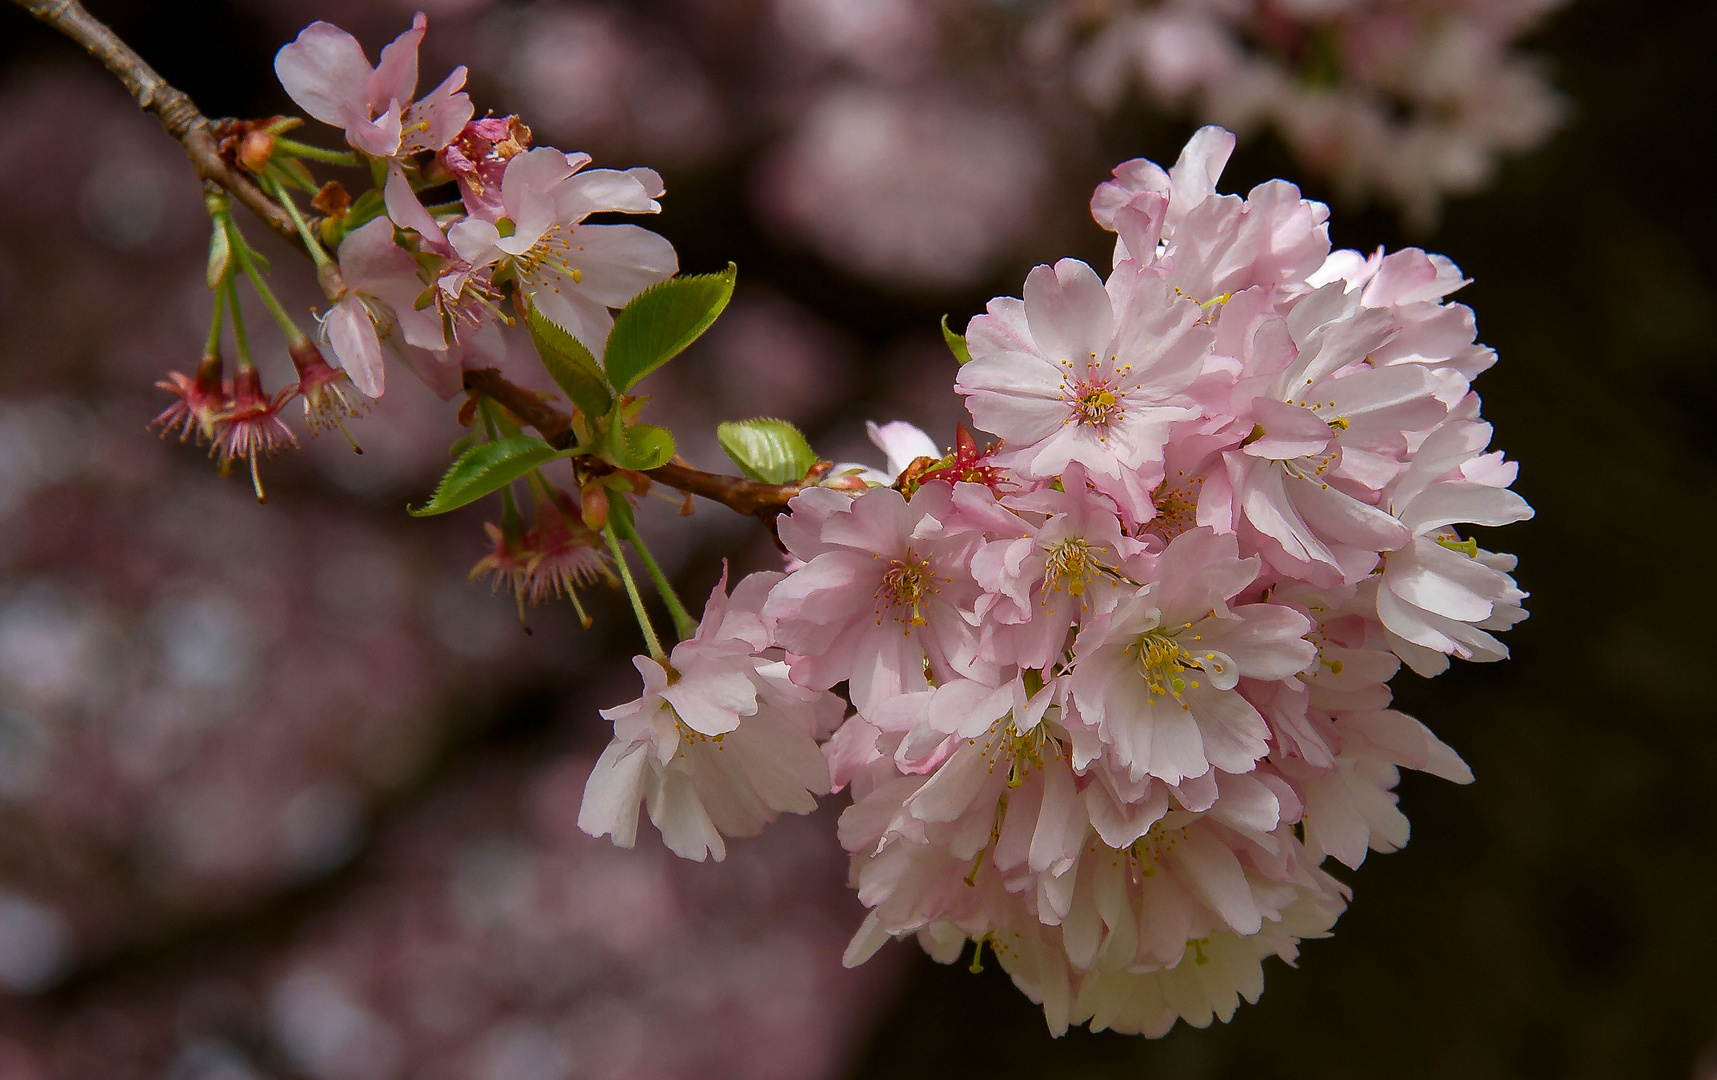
[429, 285]
[1119, 682]
[1410, 99]
[433, 302]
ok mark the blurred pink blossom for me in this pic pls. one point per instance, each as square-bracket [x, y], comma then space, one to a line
[908, 189]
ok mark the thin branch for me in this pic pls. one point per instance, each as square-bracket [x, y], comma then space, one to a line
[185, 123]
[174, 108]
[555, 426]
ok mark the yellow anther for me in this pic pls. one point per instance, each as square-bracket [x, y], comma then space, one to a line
[1468, 547]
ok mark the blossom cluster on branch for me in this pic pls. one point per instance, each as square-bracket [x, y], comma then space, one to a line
[1116, 686]
[1121, 681]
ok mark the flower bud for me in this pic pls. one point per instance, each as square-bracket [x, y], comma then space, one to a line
[255, 149]
[593, 506]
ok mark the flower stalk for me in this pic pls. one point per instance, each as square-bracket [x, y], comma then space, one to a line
[294, 148]
[684, 624]
[651, 642]
[241, 251]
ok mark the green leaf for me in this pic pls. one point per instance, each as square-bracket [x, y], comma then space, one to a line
[661, 321]
[570, 364]
[772, 451]
[484, 468]
[464, 443]
[290, 170]
[956, 343]
[640, 446]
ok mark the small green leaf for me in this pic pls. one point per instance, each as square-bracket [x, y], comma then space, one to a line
[290, 170]
[484, 468]
[640, 446]
[956, 343]
[465, 442]
[661, 321]
[772, 451]
[570, 364]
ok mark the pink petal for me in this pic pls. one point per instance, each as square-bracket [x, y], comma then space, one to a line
[324, 71]
[1069, 313]
[356, 345]
[395, 76]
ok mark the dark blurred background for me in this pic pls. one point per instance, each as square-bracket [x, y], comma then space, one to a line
[282, 795]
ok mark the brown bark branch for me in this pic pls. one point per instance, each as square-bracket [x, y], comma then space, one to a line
[173, 107]
[185, 123]
[737, 493]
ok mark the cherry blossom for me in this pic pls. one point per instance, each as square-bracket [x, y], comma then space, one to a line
[880, 596]
[379, 307]
[720, 742]
[1159, 676]
[327, 74]
[1080, 371]
[1441, 595]
[573, 272]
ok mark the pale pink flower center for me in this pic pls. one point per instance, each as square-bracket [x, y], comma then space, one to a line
[555, 250]
[1094, 401]
[1177, 506]
[905, 585]
[1153, 847]
[1071, 565]
[1164, 663]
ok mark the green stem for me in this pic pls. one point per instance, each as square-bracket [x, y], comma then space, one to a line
[287, 326]
[512, 522]
[318, 254]
[484, 405]
[241, 341]
[684, 624]
[213, 346]
[294, 148]
[650, 639]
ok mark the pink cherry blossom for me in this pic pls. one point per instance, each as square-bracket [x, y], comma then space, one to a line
[1158, 676]
[719, 744]
[901, 444]
[1086, 372]
[327, 74]
[379, 307]
[885, 590]
[478, 158]
[1210, 246]
[1068, 564]
[1442, 596]
[1325, 432]
[573, 272]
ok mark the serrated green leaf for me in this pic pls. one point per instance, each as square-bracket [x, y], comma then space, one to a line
[956, 343]
[765, 449]
[661, 321]
[640, 446]
[485, 468]
[570, 364]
